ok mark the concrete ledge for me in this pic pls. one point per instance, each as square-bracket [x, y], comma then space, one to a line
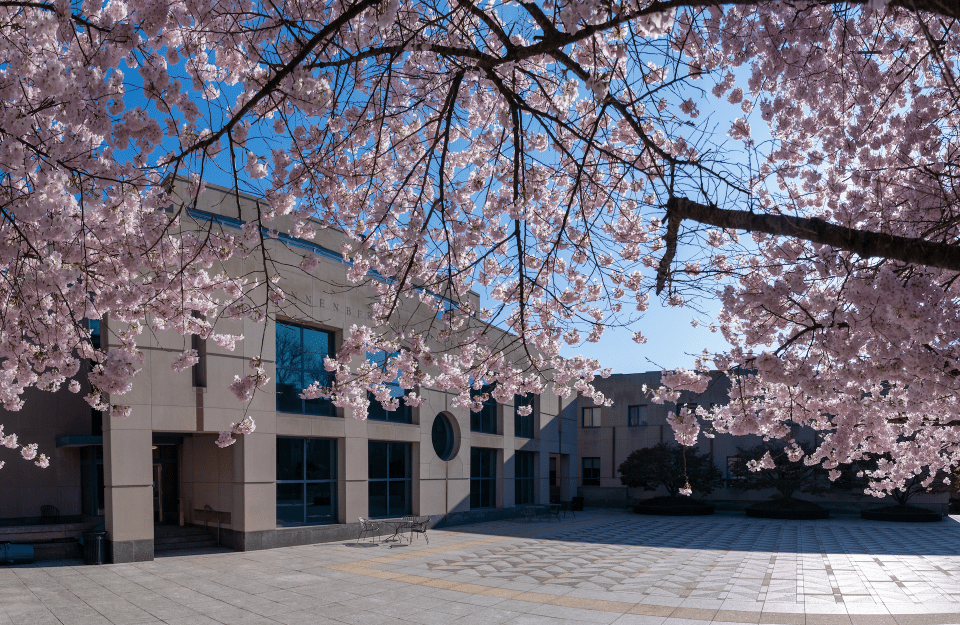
[29, 533]
[316, 534]
[467, 517]
[57, 551]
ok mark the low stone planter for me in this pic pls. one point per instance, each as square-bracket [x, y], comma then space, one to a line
[795, 515]
[901, 514]
[668, 506]
[787, 509]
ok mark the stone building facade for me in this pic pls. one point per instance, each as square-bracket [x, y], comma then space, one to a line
[310, 469]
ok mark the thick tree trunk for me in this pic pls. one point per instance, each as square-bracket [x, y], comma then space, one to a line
[865, 243]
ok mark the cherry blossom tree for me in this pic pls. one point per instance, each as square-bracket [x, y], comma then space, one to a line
[570, 158]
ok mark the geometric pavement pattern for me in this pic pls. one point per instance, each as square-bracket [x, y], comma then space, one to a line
[605, 567]
[767, 560]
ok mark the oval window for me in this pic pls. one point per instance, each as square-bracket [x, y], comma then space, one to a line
[444, 437]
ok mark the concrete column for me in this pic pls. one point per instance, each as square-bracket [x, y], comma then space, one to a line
[508, 481]
[128, 481]
[356, 496]
[567, 476]
[254, 514]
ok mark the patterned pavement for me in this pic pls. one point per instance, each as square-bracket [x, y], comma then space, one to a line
[601, 567]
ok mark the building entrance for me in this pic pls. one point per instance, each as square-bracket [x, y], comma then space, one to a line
[166, 485]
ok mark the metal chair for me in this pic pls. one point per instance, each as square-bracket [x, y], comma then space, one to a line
[420, 527]
[368, 527]
[49, 514]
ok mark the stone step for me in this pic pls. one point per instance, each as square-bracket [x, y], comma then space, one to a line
[185, 544]
[173, 538]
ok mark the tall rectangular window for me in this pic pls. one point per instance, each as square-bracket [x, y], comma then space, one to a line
[300, 354]
[484, 421]
[483, 477]
[199, 370]
[591, 471]
[523, 424]
[306, 481]
[94, 326]
[591, 417]
[523, 482]
[376, 412]
[636, 415]
[389, 479]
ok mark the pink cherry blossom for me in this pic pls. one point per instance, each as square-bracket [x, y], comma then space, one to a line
[538, 153]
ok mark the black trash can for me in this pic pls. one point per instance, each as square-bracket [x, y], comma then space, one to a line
[95, 548]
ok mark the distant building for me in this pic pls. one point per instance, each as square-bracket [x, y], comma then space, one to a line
[606, 436]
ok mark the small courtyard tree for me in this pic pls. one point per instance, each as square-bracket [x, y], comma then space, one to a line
[860, 475]
[768, 466]
[678, 469]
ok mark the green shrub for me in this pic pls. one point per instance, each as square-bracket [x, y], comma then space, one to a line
[672, 467]
[786, 477]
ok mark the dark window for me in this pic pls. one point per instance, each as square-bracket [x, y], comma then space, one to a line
[591, 417]
[94, 325]
[553, 471]
[376, 412]
[523, 480]
[96, 417]
[200, 369]
[300, 354]
[444, 439]
[483, 477]
[636, 416]
[484, 421]
[591, 471]
[91, 480]
[523, 425]
[389, 479]
[306, 481]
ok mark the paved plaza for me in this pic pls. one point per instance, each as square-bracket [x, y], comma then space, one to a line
[604, 567]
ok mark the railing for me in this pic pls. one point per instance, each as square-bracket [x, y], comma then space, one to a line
[206, 518]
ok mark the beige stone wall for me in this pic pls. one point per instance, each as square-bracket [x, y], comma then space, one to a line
[239, 482]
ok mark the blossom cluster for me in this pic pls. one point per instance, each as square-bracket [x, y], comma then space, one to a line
[528, 151]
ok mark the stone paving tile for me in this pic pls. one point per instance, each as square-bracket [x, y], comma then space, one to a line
[603, 567]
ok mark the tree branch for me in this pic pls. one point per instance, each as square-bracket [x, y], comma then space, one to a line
[865, 243]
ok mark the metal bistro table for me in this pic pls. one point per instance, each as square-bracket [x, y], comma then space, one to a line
[398, 527]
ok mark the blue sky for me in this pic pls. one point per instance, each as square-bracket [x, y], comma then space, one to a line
[671, 341]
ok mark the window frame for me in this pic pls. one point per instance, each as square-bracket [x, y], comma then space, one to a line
[485, 421]
[594, 416]
[323, 407]
[524, 426]
[406, 480]
[376, 412]
[593, 481]
[304, 482]
[523, 483]
[483, 484]
[638, 422]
